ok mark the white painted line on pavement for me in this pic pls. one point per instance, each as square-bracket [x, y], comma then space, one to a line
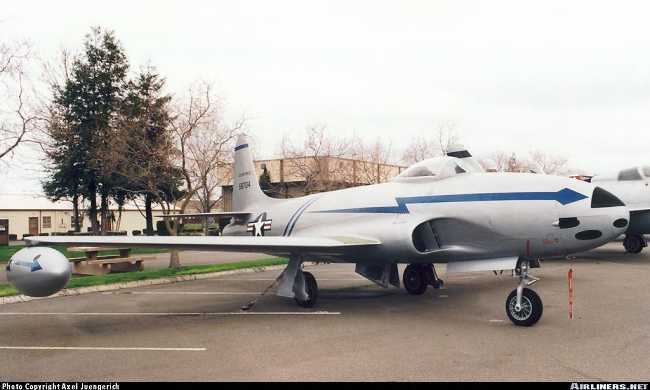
[103, 348]
[180, 293]
[195, 314]
[271, 279]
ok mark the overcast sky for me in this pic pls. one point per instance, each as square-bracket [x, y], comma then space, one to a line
[566, 77]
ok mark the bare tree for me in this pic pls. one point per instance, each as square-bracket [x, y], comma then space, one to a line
[419, 149]
[445, 135]
[18, 114]
[316, 160]
[372, 164]
[550, 164]
[536, 162]
[210, 157]
[498, 161]
[195, 129]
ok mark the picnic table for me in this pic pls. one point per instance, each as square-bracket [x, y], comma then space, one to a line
[95, 264]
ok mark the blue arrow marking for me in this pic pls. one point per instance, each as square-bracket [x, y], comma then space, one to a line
[36, 266]
[33, 266]
[564, 197]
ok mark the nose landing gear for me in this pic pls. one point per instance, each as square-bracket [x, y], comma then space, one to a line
[523, 306]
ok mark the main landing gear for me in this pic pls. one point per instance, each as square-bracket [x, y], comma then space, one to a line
[295, 283]
[417, 277]
[311, 288]
[634, 243]
[523, 305]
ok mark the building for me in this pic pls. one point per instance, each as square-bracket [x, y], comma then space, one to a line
[34, 214]
[291, 177]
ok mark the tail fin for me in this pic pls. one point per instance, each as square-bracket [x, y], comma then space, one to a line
[246, 189]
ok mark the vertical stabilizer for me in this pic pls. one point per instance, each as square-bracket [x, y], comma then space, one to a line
[246, 191]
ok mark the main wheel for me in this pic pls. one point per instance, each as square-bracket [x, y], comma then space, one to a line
[415, 280]
[531, 308]
[312, 291]
[633, 244]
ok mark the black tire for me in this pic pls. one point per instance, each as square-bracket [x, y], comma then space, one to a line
[312, 291]
[531, 310]
[633, 244]
[415, 280]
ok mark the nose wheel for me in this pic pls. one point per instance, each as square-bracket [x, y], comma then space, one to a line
[523, 306]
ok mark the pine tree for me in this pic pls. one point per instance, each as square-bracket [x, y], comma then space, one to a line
[89, 101]
[145, 123]
[265, 182]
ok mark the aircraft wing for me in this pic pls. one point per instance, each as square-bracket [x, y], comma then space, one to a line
[225, 214]
[337, 245]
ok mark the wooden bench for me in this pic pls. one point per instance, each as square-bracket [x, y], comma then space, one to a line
[94, 264]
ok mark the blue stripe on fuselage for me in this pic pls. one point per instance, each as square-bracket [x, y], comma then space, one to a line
[564, 197]
[299, 215]
[295, 216]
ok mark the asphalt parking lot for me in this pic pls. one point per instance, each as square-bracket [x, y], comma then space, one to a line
[195, 330]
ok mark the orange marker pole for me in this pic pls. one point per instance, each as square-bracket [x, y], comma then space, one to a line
[570, 278]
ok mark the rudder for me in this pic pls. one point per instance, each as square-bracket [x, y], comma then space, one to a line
[246, 189]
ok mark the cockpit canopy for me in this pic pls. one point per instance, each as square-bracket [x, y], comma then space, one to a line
[634, 174]
[436, 168]
[630, 174]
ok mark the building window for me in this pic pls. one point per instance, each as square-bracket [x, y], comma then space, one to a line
[47, 222]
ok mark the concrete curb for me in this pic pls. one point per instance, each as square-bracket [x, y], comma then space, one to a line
[139, 283]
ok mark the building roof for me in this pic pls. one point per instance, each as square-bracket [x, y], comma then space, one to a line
[34, 201]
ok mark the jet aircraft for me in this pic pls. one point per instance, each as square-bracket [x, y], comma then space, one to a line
[441, 210]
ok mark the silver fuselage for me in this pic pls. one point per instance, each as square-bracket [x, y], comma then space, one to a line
[464, 228]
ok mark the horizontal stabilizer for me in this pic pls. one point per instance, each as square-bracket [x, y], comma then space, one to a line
[225, 214]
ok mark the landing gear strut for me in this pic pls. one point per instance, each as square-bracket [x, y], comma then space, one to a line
[523, 305]
[417, 277]
[634, 243]
[297, 284]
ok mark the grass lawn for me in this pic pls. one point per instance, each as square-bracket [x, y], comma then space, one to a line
[7, 251]
[87, 281]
